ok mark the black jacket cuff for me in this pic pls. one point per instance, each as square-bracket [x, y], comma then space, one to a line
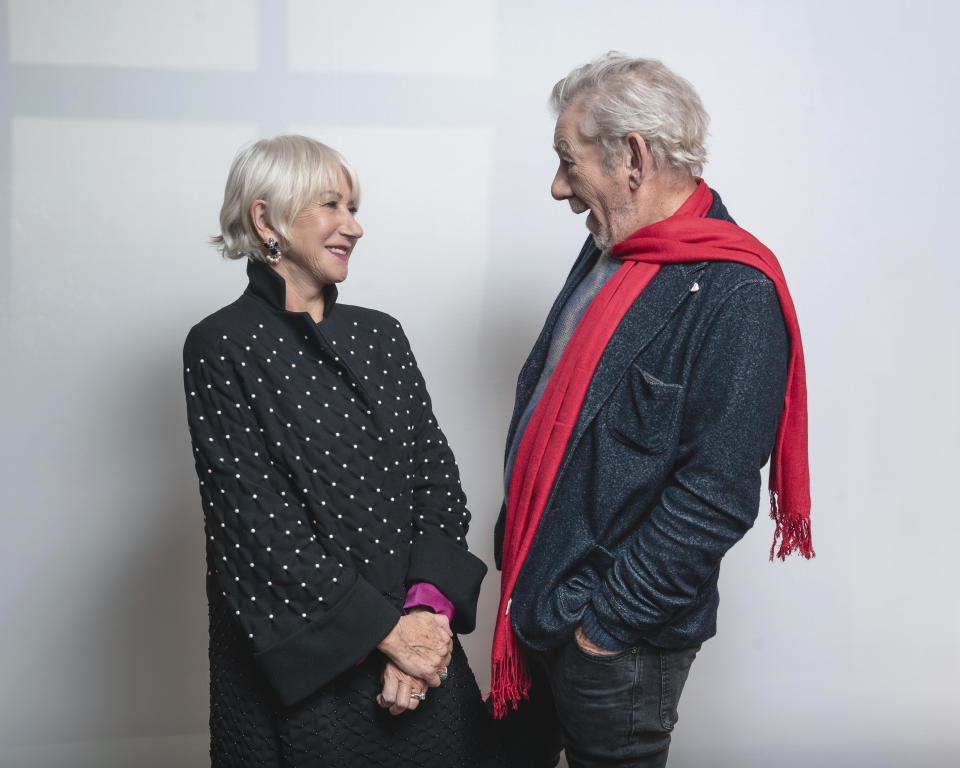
[454, 571]
[299, 665]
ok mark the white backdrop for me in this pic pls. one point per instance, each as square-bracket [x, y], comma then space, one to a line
[833, 140]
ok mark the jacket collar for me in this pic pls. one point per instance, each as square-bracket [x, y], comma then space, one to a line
[644, 320]
[267, 284]
[641, 323]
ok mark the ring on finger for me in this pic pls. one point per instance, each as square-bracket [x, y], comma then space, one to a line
[443, 674]
[419, 696]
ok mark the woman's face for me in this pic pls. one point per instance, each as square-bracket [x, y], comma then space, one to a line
[323, 235]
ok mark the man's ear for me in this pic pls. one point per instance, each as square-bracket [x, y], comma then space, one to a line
[638, 160]
[258, 217]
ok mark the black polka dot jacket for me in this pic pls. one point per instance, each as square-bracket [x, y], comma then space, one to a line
[327, 485]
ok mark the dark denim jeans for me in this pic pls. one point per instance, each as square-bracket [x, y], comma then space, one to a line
[603, 710]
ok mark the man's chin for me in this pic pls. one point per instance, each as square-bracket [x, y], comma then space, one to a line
[603, 238]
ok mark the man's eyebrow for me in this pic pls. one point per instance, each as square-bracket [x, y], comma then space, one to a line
[562, 147]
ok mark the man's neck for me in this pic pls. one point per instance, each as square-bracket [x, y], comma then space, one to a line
[661, 197]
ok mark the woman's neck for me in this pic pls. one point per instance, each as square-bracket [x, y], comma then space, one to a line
[304, 293]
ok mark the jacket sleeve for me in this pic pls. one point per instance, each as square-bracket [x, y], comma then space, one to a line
[439, 553]
[733, 403]
[307, 617]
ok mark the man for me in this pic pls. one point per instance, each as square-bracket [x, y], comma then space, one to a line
[669, 368]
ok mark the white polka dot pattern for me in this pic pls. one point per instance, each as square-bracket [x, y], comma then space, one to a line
[319, 458]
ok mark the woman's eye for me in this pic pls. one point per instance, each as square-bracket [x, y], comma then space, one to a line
[331, 204]
[354, 211]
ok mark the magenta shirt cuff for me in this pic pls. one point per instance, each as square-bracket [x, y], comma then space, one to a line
[424, 594]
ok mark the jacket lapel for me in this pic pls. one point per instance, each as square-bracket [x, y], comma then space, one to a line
[648, 316]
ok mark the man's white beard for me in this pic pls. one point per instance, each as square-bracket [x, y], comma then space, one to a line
[604, 237]
[604, 240]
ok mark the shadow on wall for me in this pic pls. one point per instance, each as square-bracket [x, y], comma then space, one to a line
[159, 576]
[146, 630]
[115, 672]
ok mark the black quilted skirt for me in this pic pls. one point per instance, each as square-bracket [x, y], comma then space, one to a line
[341, 724]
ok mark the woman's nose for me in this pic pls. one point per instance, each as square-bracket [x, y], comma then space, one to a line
[352, 228]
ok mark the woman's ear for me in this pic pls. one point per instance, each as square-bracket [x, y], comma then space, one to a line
[258, 217]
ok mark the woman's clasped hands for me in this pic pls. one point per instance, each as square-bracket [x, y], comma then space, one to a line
[418, 650]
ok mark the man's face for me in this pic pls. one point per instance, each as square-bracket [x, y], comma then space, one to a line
[586, 184]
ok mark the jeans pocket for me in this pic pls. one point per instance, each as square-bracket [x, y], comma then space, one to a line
[593, 696]
[598, 658]
[674, 668]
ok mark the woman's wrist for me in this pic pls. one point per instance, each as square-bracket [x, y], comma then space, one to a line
[388, 646]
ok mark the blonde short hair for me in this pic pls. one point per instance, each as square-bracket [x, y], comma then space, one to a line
[286, 172]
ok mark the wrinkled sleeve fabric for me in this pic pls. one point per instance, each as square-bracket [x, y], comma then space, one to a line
[439, 552]
[732, 409]
[306, 615]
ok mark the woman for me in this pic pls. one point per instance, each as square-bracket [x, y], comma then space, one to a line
[335, 524]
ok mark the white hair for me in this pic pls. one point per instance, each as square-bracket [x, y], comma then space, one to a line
[287, 173]
[623, 95]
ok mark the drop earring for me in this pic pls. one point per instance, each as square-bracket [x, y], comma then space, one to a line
[274, 256]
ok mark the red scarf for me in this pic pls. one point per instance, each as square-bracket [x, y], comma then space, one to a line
[684, 237]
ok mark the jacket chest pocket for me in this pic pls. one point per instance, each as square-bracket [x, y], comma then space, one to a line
[644, 411]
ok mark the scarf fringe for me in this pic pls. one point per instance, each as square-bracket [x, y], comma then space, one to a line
[793, 532]
[510, 683]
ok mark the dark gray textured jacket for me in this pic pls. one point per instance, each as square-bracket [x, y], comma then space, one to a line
[662, 473]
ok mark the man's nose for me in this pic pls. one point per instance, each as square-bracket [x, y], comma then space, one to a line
[560, 189]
